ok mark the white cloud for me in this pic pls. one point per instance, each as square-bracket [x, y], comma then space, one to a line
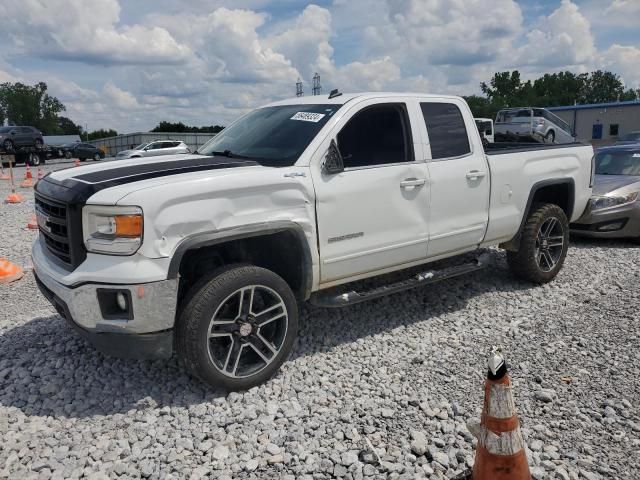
[625, 61]
[87, 32]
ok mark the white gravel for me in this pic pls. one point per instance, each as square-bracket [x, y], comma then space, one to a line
[380, 390]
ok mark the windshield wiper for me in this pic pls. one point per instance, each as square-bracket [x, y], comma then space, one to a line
[230, 154]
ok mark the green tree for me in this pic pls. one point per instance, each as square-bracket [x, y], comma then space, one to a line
[506, 89]
[102, 133]
[66, 126]
[22, 104]
[179, 127]
[601, 86]
[557, 89]
[481, 106]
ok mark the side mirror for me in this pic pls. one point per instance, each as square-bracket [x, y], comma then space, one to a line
[333, 160]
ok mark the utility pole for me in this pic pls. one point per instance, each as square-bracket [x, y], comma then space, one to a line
[317, 89]
[299, 91]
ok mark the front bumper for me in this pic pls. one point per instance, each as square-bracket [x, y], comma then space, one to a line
[617, 222]
[145, 332]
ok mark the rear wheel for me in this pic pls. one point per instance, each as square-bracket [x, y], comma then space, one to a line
[238, 327]
[67, 154]
[550, 137]
[543, 245]
[38, 142]
[97, 157]
[8, 145]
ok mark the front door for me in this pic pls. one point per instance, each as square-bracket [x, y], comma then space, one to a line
[374, 214]
[459, 179]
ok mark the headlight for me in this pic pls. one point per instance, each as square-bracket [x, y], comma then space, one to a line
[599, 203]
[112, 230]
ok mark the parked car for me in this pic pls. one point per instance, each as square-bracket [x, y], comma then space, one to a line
[82, 151]
[614, 209]
[14, 137]
[152, 149]
[629, 138]
[485, 127]
[294, 201]
[537, 124]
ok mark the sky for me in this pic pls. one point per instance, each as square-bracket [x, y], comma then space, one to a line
[128, 64]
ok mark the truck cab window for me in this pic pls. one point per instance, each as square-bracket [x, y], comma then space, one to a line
[377, 135]
[447, 132]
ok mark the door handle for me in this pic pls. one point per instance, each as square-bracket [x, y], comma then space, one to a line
[474, 174]
[412, 182]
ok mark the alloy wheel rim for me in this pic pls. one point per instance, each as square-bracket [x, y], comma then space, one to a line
[247, 331]
[549, 244]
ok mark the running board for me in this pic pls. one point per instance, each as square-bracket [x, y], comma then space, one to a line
[331, 300]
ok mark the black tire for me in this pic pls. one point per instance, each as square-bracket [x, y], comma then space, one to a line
[97, 157]
[8, 146]
[550, 137]
[82, 159]
[67, 154]
[33, 160]
[539, 260]
[38, 143]
[213, 297]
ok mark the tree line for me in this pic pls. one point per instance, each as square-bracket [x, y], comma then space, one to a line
[31, 105]
[507, 89]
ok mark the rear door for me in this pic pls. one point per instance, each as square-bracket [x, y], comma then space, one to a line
[374, 214]
[459, 178]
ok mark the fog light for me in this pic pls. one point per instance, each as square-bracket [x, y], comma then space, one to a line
[611, 226]
[122, 301]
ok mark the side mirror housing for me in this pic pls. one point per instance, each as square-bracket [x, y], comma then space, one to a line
[333, 162]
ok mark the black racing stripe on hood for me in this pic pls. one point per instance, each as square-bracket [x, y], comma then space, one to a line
[79, 188]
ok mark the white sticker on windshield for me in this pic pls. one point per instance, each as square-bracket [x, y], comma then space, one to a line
[636, 155]
[308, 116]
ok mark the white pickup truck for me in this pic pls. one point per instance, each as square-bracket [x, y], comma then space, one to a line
[209, 254]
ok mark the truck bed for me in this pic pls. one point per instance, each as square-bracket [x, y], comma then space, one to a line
[500, 148]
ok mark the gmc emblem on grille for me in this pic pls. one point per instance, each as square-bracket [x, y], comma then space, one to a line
[42, 221]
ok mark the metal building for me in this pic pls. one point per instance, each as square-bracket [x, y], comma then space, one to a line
[113, 145]
[601, 123]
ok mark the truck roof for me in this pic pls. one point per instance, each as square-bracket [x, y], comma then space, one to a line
[345, 97]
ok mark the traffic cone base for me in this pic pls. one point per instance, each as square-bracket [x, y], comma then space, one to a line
[5, 176]
[9, 272]
[14, 198]
[27, 183]
[32, 224]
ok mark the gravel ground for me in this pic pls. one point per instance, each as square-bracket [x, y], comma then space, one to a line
[382, 389]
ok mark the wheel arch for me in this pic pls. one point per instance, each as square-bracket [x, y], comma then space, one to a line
[281, 247]
[559, 191]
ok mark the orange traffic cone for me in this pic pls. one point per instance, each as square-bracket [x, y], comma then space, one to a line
[32, 224]
[9, 272]
[500, 454]
[40, 174]
[14, 198]
[76, 163]
[28, 178]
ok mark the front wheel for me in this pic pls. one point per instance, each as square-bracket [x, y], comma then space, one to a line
[8, 146]
[34, 160]
[67, 154]
[97, 157]
[238, 327]
[543, 245]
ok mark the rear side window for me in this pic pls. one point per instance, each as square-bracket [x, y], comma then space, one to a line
[447, 133]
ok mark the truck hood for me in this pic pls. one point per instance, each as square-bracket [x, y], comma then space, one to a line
[606, 184]
[126, 176]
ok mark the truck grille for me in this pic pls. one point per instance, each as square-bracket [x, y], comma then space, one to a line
[53, 224]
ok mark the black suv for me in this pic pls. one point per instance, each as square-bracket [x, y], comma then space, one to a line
[15, 137]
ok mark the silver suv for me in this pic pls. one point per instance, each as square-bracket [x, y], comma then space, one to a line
[153, 149]
[532, 123]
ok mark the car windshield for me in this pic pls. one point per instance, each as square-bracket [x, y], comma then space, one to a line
[631, 137]
[273, 136]
[141, 146]
[618, 163]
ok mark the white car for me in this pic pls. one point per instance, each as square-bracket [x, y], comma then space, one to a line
[153, 149]
[209, 255]
[485, 127]
[536, 124]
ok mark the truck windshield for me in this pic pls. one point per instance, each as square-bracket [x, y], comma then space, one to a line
[272, 136]
[618, 163]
